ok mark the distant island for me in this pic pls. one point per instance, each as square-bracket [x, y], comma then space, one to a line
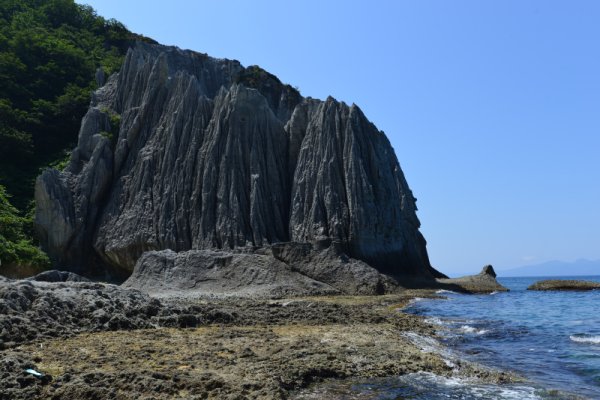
[581, 267]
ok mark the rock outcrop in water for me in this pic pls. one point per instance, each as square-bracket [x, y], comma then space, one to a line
[483, 282]
[564, 285]
[182, 151]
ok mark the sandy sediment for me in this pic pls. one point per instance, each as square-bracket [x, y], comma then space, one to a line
[197, 349]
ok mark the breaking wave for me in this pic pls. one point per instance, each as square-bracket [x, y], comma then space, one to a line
[583, 338]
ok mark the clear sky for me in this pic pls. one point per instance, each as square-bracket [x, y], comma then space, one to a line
[493, 107]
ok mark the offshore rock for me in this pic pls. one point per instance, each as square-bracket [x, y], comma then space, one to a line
[182, 151]
[564, 285]
[483, 282]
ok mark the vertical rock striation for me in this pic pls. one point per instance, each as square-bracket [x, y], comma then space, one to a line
[182, 151]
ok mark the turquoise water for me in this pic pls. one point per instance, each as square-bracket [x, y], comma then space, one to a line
[552, 338]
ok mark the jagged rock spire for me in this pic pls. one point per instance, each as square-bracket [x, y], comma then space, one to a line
[183, 151]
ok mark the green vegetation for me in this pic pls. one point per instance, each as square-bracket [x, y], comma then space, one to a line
[16, 247]
[268, 84]
[49, 53]
[254, 75]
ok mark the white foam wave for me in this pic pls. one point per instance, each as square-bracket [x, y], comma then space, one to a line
[472, 330]
[466, 388]
[425, 385]
[585, 339]
[415, 299]
[444, 291]
[435, 321]
[425, 343]
[430, 345]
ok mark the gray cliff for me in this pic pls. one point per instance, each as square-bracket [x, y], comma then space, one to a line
[182, 151]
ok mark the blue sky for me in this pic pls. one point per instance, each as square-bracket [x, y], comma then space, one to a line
[493, 107]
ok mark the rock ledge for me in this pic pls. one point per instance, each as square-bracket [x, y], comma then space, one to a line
[564, 284]
[484, 282]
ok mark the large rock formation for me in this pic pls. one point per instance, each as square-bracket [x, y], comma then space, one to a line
[182, 151]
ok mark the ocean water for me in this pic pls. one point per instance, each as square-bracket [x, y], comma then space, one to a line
[551, 338]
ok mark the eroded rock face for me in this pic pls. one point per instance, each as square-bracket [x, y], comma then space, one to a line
[282, 270]
[220, 273]
[185, 152]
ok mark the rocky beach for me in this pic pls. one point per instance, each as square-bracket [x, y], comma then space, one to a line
[93, 340]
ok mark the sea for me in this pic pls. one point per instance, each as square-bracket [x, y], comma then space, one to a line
[552, 339]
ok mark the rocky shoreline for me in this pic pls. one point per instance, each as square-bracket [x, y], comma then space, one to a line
[93, 340]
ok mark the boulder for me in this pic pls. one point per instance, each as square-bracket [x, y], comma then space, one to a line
[283, 270]
[219, 273]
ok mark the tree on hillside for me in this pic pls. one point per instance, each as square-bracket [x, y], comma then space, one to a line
[15, 247]
[49, 53]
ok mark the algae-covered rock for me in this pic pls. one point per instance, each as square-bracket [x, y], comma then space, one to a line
[564, 284]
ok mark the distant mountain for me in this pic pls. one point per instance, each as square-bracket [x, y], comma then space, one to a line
[555, 268]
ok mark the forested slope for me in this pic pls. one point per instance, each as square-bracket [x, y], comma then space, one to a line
[50, 52]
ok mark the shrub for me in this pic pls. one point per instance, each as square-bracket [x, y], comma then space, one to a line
[16, 247]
